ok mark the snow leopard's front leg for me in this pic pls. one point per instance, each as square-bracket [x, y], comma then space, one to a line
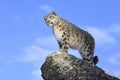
[63, 44]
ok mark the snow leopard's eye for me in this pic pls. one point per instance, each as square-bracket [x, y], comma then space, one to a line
[51, 22]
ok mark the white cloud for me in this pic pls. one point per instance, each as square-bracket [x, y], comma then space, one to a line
[39, 50]
[47, 42]
[102, 37]
[114, 59]
[46, 8]
[36, 55]
[33, 53]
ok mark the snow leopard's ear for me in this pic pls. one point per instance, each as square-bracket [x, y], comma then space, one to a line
[53, 12]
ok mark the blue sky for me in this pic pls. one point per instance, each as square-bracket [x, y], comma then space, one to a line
[25, 39]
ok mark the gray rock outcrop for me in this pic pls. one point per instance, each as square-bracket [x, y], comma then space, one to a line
[63, 66]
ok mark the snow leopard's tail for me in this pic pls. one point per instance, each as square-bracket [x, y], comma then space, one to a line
[95, 60]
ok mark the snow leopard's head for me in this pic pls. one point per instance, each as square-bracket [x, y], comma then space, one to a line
[51, 19]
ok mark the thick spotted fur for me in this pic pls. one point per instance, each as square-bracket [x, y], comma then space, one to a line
[69, 35]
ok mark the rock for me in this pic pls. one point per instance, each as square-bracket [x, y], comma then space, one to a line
[63, 66]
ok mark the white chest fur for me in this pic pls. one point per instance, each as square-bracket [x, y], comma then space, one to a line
[58, 34]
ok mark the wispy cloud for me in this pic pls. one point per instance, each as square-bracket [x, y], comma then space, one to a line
[38, 50]
[48, 42]
[33, 54]
[114, 59]
[101, 36]
[46, 8]
[36, 55]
